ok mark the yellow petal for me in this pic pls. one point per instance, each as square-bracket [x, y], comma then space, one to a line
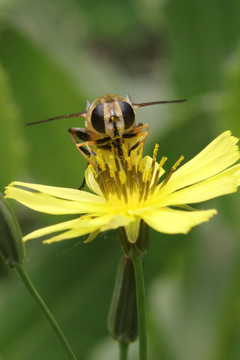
[52, 205]
[91, 182]
[66, 225]
[117, 221]
[147, 164]
[85, 226]
[70, 234]
[176, 221]
[216, 157]
[221, 184]
[77, 227]
[59, 192]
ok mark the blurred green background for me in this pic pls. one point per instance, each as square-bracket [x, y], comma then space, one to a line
[55, 54]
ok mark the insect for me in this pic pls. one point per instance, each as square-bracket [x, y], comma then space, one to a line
[109, 121]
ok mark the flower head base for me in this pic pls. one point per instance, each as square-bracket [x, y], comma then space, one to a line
[128, 190]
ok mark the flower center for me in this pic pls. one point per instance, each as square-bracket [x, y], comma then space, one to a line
[131, 178]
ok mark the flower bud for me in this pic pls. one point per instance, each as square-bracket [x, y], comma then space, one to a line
[12, 249]
[122, 318]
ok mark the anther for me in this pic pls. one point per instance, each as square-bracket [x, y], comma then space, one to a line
[172, 171]
[178, 162]
[125, 153]
[155, 151]
[129, 164]
[122, 177]
[100, 160]
[111, 170]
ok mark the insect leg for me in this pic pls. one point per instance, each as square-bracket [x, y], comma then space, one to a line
[142, 131]
[83, 134]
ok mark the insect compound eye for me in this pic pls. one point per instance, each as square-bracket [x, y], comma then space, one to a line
[128, 114]
[97, 118]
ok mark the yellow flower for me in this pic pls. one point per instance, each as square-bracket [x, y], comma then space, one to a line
[128, 190]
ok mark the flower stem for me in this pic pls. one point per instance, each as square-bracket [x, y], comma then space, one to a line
[25, 278]
[123, 350]
[140, 292]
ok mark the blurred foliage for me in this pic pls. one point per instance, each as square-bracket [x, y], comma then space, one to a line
[54, 55]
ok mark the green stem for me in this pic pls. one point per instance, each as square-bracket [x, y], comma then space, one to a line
[46, 312]
[140, 292]
[123, 351]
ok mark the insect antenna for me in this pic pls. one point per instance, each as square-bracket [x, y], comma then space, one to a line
[159, 102]
[58, 117]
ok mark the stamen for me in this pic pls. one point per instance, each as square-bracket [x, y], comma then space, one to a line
[145, 175]
[129, 164]
[172, 171]
[156, 177]
[122, 177]
[178, 162]
[147, 185]
[123, 183]
[127, 176]
[133, 159]
[108, 180]
[125, 153]
[140, 149]
[111, 170]
[116, 174]
[151, 171]
[155, 151]
[142, 178]
[113, 162]
[140, 165]
[100, 160]
[132, 175]
[98, 179]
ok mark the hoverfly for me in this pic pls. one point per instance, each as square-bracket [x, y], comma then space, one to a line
[109, 121]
